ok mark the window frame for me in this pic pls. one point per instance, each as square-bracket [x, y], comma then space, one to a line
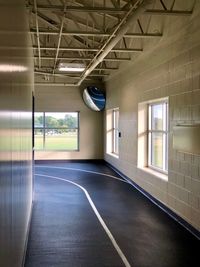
[164, 132]
[44, 128]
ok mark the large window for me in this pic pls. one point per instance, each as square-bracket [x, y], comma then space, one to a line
[158, 136]
[56, 131]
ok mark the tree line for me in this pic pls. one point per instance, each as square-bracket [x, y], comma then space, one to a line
[51, 122]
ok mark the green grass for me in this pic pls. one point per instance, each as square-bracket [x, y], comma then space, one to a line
[58, 142]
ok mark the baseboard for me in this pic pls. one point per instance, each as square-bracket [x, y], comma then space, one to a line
[47, 161]
[158, 203]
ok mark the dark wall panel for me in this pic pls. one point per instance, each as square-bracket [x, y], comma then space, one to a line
[16, 86]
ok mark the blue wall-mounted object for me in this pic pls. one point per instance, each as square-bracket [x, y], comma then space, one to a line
[94, 98]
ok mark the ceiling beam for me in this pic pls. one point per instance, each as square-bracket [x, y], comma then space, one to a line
[121, 50]
[82, 58]
[49, 74]
[110, 10]
[97, 34]
[87, 9]
[71, 75]
[54, 84]
[52, 23]
[168, 12]
[37, 68]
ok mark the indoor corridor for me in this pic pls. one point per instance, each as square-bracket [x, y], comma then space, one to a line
[99, 133]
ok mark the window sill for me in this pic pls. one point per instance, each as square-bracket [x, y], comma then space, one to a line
[113, 155]
[155, 173]
[55, 150]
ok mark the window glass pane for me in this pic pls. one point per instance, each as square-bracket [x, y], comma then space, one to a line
[38, 142]
[116, 143]
[60, 139]
[167, 114]
[157, 117]
[157, 150]
[116, 118]
[59, 120]
[38, 119]
[165, 140]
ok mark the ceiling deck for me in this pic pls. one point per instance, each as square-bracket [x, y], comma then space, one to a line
[79, 32]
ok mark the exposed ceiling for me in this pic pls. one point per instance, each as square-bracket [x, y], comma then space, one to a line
[91, 32]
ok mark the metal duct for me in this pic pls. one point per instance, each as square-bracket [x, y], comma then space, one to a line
[136, 10]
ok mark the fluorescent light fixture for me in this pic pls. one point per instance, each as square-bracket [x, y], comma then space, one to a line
[12, 68]
[71, 67]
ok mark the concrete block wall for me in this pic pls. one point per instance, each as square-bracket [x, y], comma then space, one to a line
[169, 67]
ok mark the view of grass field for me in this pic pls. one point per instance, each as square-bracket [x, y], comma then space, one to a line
[57, 142]
[56, 131]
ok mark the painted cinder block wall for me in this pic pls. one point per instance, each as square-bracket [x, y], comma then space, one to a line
[69, 99]
[15, 132]
[168, 67]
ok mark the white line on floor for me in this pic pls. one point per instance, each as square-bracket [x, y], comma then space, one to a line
[103, 224]
[82, 170]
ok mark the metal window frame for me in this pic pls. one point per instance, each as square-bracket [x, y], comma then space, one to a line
[44, 128]
[164, 133]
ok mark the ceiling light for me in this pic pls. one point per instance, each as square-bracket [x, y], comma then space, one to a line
[73, 67]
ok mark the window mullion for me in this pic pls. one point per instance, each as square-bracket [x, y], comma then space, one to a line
[167, 136]
[149, 149]
[113, 131]
[44, 130]
[150, 119]
[164, 152]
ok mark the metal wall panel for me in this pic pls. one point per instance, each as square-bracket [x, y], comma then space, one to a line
[16, 85]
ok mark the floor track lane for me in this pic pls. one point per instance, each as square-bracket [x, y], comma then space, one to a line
[87, 171]
[103, 224]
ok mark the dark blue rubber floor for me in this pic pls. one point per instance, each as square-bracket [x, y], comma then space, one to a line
[65, 231]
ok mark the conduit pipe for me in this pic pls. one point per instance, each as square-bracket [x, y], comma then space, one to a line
[59, 39]
[37, 31]
[132, 15]
[55, 84]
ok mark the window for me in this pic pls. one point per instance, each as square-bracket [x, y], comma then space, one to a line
[56, 131]
[112, 128]
[158, 136]
[115, 131]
